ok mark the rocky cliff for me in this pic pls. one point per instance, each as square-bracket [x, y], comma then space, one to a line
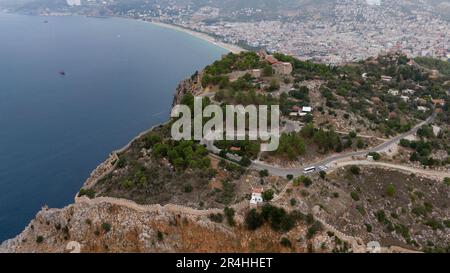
[190, 85]
[103, 226]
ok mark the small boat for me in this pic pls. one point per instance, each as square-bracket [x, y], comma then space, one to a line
[45, 22]
[62, 73]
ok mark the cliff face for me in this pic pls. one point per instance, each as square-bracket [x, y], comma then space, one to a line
[108, 227]
[190, 85]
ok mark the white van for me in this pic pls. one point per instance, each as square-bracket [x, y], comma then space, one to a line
[309, 170]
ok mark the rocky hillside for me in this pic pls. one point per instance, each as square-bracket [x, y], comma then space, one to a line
[120, 227]
[188, 200]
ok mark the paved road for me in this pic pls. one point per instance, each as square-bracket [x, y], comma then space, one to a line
[280, 171]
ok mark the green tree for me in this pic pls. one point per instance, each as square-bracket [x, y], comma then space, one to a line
[267, 195]
[253, 220]
[229, 215]
[264, 173]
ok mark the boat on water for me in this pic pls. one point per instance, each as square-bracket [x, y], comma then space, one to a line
[62, 73]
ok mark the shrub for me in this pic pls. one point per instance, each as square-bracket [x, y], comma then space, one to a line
[122, 162]
[293, 202]
[354, 196]
[403, 231]
[316, 227]
[405, 143]
[218, 217]
[368, 227]
[289, 177]
[390, 190]
[381, 216]
[188, 188]
[322, 174]
[229, 215]
[361, 209]
[106, 227]
[355, 170]
[303, 179]
[307, 182]
[434, 224]
[360, 143]
[160, 236]
[245, 161]
[419, 211]
[447, 181]
[88, 192]
[285, 242]
[228, 192]
[447, 223]
[150, 140]
[39, 239]
[127, 184]
[335, 194]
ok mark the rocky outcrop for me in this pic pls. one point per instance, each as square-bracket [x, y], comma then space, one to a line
[191, 85]
[102, 226]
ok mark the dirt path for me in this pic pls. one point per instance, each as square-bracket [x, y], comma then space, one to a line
[429, 173]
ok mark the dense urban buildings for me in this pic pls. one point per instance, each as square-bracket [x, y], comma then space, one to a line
[344, 31]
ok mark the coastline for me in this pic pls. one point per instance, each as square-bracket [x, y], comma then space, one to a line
[229, 47]
[205, 37]
[108, 165]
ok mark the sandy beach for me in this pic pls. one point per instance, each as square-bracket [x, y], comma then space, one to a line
[203, 36]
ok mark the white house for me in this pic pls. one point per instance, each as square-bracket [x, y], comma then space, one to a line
[256, 196]
[422, 108]
[386, 78]
[306, 109]
[408, 91]
[393, 92]
[404, 98]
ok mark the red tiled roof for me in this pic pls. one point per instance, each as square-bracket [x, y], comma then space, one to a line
[271, 59]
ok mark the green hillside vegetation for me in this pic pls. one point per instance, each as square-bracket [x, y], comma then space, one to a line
[442, 66]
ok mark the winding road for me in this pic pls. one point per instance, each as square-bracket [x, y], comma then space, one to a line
[283, 172]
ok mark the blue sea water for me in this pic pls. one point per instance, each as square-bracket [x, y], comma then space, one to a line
[120, 76]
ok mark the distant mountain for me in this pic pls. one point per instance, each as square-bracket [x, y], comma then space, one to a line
[233, 9]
